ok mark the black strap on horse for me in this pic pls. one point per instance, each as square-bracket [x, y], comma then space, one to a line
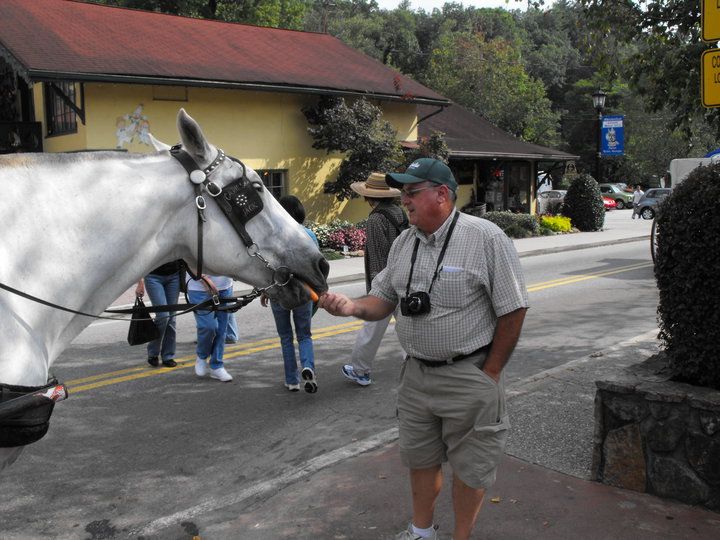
[232, 303]
[238, 200]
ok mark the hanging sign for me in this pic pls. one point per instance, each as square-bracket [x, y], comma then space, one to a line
[710, 20]
[710, 78]
[612, 135]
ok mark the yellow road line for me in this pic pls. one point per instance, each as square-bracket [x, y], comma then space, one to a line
[584, 277]
[246, 349]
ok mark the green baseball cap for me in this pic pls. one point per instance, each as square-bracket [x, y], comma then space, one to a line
[423, 170]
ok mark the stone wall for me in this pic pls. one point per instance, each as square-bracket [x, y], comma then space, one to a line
[657, 436]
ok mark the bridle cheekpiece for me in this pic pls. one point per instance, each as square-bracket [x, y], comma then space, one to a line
[238, 200]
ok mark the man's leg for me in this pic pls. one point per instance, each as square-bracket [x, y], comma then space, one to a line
[466, 504]
[426, 485]
[367, 343]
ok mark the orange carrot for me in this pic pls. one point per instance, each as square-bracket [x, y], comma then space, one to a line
[313, 295]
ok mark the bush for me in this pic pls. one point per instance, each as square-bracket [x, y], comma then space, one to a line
[514, 225]
[583, 204]
[688, 261]
[556, 223]
[339, 233]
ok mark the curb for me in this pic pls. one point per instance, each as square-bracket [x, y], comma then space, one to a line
[547, 251]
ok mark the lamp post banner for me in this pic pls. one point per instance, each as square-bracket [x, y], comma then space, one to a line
[612, 135]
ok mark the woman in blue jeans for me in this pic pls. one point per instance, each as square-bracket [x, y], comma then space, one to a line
[163, 287]
[211, 326]
[301, 316]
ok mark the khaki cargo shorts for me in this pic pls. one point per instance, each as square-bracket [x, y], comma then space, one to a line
[452, 413]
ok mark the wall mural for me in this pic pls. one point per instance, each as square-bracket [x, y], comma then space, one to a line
[132, 127]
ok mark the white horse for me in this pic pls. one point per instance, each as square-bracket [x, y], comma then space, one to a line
[80, 229]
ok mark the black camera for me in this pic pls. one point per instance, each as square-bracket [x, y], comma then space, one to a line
[417, 303]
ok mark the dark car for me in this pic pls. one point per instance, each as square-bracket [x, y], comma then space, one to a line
[648, 205]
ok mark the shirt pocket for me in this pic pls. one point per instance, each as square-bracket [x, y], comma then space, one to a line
[451, 289]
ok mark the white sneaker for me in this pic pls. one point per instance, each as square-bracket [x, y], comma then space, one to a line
[220, 374]
[293, 387]
[201, 367]
[408, 534]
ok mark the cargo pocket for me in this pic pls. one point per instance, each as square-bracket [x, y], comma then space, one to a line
[490, 440]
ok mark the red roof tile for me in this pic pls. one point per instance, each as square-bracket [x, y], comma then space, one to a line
[58, 38]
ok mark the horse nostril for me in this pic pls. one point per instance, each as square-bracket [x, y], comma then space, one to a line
[323, 266]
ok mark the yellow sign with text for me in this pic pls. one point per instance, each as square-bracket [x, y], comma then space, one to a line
[710, 20]
[710, 75]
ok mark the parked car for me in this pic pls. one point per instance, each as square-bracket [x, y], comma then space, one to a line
[624, 187]
[650, 201]
[550, 201]
[609, 203]
[623, 199]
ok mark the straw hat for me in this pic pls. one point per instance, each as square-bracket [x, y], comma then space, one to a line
[375, 186]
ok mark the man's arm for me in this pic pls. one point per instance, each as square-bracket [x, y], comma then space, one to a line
[368, 308]
[505, 338]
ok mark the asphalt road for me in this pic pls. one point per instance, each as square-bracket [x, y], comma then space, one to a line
[134, 447]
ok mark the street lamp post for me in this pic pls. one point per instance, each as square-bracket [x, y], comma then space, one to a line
[599, 104]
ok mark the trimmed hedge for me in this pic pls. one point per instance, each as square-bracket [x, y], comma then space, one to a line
[687, 271]
[583, 204]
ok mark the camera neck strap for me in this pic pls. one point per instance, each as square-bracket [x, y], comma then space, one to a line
[440, 258]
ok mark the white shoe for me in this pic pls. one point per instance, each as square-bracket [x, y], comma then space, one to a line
[408, 534]
[201, 367]
[293, 387]
[220, 374]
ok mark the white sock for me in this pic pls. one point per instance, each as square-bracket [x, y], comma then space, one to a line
[424, 533]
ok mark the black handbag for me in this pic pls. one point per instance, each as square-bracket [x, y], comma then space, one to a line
[142, 328]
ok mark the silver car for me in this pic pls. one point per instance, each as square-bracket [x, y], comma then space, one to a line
[650, 201]
[550, 201]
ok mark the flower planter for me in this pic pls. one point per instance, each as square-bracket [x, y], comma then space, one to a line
[658, 436]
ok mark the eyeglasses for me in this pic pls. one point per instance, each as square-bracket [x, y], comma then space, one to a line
[410, 193]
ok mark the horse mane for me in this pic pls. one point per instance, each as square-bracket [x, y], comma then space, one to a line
[65, 158]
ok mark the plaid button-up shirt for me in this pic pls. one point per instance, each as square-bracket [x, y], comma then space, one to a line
[480, 279]
[380, 236]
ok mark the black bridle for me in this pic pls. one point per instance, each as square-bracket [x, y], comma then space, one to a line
[238, 200]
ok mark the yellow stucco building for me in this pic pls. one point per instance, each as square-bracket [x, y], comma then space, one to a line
[85, 86]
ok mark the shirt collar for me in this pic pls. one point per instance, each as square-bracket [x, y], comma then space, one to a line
[439, 235]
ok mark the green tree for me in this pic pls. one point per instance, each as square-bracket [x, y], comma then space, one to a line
[489, 78]
[358, 131]
[433, 146]
[663, 67]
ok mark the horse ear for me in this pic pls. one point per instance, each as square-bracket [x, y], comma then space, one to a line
[158, 145]
[192, 137]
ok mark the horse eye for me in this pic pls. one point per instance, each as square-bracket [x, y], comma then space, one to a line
[258, 187]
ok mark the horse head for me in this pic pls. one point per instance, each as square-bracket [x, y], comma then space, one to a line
[260, 244]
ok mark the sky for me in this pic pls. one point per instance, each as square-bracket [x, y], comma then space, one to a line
[429, 5]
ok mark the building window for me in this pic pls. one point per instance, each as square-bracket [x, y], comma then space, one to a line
[59, 117]
[275, 181]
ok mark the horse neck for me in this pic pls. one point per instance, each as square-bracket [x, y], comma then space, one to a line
[92, 228]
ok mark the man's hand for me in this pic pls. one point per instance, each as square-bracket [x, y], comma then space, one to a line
[337, 304]
[140, 289]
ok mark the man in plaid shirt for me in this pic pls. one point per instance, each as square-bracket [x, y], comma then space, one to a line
[463, 300]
